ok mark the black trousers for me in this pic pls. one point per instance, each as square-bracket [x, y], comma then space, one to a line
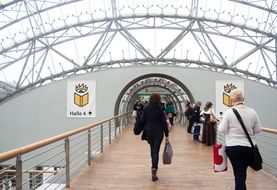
[239, 157]
[154, 138]
[190, 126]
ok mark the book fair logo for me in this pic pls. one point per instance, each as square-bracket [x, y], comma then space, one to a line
[81, 95]
[226, 94]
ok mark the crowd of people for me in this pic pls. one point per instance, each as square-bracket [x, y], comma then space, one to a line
[154, 116]
[238, 147]
[198, 118]
[167, 107]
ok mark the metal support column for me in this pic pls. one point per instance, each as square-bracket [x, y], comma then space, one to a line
[110, 133]
[89, 147]
[119, 125]
[102, 138]
[18, 172]
[67, 164]
[115, 123]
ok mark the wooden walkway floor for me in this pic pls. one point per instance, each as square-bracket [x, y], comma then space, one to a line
[126, 165]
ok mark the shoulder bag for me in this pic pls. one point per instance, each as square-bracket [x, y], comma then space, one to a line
[213, 118]
[138, 128]
[256, 162]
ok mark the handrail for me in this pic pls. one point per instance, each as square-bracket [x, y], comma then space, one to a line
[28, 148]
[29, 171]
[267, 143]
[269, 130]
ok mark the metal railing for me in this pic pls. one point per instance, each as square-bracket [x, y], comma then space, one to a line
[267, 142]
[52, 163]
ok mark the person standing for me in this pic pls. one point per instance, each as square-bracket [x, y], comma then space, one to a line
[138, 107]
[155, 127]
[196, 121]
[188, 114]
[238, 148]
[209, 132]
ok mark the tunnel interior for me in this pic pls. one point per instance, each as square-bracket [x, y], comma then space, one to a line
[169, 88]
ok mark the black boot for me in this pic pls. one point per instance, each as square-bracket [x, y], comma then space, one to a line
[154, 174]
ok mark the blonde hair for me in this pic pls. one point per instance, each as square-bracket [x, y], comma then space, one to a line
[237, 95]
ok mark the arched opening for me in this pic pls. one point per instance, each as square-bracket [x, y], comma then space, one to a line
[141, 88]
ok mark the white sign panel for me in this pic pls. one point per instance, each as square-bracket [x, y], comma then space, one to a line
[223, 88]
[81, 98]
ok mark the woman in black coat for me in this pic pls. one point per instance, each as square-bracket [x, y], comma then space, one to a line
[155, 127]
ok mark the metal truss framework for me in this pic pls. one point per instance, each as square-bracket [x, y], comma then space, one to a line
[47, 50]
[177, 95]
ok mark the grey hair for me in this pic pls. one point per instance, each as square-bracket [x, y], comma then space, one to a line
[237, 95]
[198, 103]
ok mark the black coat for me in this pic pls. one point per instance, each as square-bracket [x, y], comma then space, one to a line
[154, 119]
[196, 114]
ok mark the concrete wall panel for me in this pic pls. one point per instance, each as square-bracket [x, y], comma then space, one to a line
[41, 113]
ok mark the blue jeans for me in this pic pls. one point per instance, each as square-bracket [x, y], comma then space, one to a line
[154, 138]
[239, 157]
[196, 131]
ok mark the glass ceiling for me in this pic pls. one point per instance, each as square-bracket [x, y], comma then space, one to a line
[42, 41]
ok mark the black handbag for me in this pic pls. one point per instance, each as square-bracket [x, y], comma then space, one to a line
[138, 128]
[143, 136]
[256, 162]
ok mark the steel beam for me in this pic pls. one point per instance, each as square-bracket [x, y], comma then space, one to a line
[256, 6]
[84, 23]
[249, 53]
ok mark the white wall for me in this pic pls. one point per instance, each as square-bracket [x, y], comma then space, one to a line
[41, 113]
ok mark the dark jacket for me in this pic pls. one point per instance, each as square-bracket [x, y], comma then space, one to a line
[154, 119]
[196, 114]
[138, 107]
[188, 113]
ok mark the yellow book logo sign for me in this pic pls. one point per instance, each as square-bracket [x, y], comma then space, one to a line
[81, 96]
[226, 97]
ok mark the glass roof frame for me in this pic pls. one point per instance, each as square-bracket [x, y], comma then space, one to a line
[35, 54]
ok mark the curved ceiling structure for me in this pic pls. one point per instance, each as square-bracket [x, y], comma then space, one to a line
[170, 88]
[44, 41]
[173, 92]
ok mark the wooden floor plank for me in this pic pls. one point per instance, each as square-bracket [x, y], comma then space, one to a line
[126, 165]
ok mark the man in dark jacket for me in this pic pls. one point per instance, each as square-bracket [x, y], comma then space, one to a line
[196, 120]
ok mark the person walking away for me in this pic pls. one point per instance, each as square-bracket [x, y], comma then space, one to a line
[188, 114]
[238, 148]
[170, 110]
[197, 123]
[155, 126]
